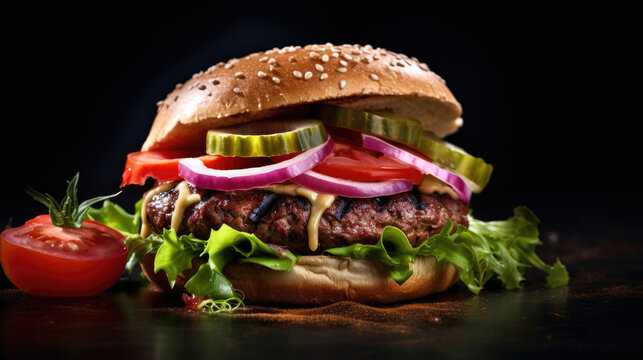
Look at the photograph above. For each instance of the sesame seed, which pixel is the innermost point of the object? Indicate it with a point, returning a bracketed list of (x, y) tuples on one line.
[(176, 98), (239, 75), (313, 54), (272, 61), (368, 47), (319, 68), (415, 59), (262, 74), (214, 81), (343, 63), (292, 49), (178, 86), (424, 67), (263, 59), (347, 57), (159, 103), (209, 93), (342, 84), (376, 57), (324, 58), (197, 74), (308, 75), (335, 54), (356, 52), (292, 59), (323, 76), (400, 63), (297, 74), (201, 87), (212, 68), (271, 68), (341, 69), (275, 80), (374, 77), (366, 60), (228, 66), (237, 90)]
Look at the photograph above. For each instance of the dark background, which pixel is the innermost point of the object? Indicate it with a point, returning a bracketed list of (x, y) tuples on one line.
[(549, 93)]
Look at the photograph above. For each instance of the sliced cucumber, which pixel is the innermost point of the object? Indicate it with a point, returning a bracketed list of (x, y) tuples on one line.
[(401, 129), (475, 171), (266, 138)]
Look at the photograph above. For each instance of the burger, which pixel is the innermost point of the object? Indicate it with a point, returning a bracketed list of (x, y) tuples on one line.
[(315, 174)]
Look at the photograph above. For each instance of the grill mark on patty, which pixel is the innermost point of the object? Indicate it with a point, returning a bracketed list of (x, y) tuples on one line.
[(382, 202), (260, 211), (343, 206)]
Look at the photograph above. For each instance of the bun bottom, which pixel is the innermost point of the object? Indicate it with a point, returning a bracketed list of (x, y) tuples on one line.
[(323, 279)]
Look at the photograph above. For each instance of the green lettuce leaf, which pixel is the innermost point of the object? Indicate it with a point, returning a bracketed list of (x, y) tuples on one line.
[(115, 217), (224, 245), (512, 245), (176, 253)]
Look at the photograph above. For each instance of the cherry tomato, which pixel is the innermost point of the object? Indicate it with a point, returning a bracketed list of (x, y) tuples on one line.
[(46, 260), (164, 165), (358, 164)]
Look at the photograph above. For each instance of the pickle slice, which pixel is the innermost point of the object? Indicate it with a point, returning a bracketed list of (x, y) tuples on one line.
[(475, 171), (401, 129), (266, 138)]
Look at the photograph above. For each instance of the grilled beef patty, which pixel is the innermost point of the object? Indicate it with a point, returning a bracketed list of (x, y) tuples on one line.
[(283, 219)]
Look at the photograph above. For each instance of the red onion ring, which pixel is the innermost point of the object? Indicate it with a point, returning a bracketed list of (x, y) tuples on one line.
[(353, 189), (458, 185), (196, 173)]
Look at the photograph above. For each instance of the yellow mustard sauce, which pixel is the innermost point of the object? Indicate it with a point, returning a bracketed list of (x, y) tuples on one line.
[(145, 227), (319, 203), (185, 199), (431, 184)]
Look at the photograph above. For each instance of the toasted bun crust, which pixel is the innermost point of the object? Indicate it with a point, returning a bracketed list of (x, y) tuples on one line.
[(321, 279), (282, 82)]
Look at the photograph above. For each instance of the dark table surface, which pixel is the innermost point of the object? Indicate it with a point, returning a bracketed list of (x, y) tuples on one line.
[(598, 314)]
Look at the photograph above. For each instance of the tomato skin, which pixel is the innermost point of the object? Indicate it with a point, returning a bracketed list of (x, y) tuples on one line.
[(163, 165), (42, 271)]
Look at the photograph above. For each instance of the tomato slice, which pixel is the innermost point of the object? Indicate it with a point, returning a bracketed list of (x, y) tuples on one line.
[(46, 260), (358, 164), (164, 165)]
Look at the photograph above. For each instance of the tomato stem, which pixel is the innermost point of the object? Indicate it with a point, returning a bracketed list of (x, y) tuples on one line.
[(67, 213)]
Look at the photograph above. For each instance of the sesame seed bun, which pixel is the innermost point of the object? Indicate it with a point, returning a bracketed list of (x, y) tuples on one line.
[(324, 279), (283, 82)]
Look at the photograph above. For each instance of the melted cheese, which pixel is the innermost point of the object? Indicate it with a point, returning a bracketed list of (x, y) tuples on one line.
[(185, 199), (145, 227), (431, 185), (319, 203)]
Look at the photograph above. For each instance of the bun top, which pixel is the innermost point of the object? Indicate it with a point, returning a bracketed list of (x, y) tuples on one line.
[(283, 82)]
